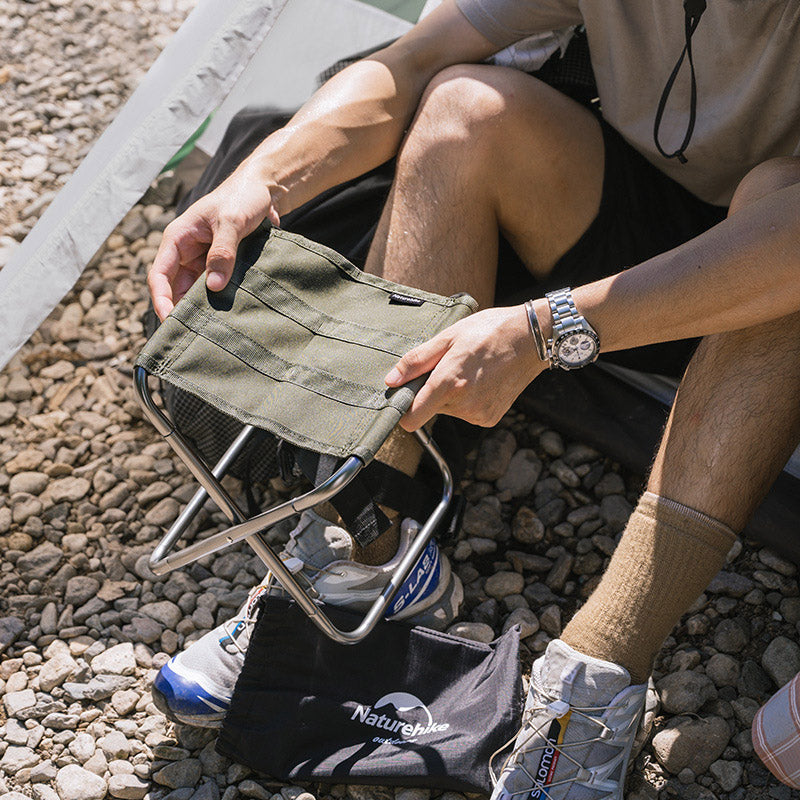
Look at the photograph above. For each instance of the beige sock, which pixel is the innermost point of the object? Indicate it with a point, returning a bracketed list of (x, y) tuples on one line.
[(665, 558)]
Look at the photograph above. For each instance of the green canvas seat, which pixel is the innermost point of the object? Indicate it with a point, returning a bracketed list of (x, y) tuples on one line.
[(297, 344)]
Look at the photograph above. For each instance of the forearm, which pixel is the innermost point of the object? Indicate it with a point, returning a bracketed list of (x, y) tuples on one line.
[(357, 120), (353, 123), (743, 272)]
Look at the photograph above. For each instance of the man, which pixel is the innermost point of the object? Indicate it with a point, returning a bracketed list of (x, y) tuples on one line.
[(483, 150)]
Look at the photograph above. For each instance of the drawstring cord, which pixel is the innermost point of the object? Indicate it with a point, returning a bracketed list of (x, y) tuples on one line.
[(693, 10)]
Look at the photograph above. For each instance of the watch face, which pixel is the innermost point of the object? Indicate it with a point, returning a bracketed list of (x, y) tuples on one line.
[(576, 349)]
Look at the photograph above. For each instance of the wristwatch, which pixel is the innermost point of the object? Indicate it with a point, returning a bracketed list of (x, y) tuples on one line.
[(574, 342)]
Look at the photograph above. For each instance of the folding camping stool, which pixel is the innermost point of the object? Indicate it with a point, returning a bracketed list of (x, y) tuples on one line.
[(297, 344)]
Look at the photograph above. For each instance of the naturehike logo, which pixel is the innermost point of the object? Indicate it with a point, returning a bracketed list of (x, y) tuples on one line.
[(549, 758), (402, 714)]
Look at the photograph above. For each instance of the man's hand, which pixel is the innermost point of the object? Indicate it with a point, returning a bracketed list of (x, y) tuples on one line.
[(206, 237), (478, 367)]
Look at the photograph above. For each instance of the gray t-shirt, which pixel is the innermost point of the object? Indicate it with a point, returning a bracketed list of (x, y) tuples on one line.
[(747, 61)]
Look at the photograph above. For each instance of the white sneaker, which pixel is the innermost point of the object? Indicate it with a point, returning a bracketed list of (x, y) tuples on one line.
[(195, 686), (579, 726)]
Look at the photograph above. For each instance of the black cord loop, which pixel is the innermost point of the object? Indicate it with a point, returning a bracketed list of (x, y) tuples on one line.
[(693, 10)]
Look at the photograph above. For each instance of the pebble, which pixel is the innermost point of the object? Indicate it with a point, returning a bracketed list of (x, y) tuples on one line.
[(69, 490), (731, 635), (522, 474), (128, 787), (685, 692), (691, 742), (526, 619), (728, 774), (781, 660), (117, 660), (33, 167), (179, 774), (494, 455), (80, 589), (476, 631), (17, 758), (615, 510), (56, 670), (552, 443), (731, 584), (76, 783), (723, 670), (502, 584), (15, 702), (29, 482), (527, 528)]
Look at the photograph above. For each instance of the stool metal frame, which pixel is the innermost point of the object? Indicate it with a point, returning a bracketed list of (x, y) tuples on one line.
[(164, 560)]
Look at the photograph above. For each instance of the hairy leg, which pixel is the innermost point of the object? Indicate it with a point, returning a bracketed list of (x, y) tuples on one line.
[(734, 423), (490, 149), (736, 419)]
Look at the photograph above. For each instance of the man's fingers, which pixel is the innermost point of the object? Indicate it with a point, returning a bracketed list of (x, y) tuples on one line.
[(222, 256), (426, 406), (418, 361), (161, 274)]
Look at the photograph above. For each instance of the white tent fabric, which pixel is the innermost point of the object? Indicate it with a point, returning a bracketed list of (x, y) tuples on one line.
[(200, 67), (283, 73)]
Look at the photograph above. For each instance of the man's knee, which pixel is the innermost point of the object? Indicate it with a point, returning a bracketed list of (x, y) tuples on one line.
[(465, 108), (766, 178)]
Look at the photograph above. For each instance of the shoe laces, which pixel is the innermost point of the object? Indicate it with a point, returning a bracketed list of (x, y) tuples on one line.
[(535, 740), (248, 615)]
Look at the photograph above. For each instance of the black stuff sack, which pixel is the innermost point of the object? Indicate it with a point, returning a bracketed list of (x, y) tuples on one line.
[(408, 706)]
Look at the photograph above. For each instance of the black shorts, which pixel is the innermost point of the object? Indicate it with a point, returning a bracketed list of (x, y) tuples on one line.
[(642, 213)]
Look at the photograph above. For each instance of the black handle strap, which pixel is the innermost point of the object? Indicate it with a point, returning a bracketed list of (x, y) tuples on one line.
[(693, 10)]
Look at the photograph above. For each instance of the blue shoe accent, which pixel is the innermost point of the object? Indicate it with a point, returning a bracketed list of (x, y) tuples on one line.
[(421, 582), (184, 700)]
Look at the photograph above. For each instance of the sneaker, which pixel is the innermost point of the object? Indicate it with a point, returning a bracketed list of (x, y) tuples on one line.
[(195, 687), (579, 726)]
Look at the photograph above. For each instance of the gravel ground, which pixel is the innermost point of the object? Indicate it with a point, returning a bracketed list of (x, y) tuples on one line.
[(86, 488)]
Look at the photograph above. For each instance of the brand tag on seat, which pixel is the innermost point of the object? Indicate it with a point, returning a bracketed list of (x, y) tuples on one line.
[(397, 299)]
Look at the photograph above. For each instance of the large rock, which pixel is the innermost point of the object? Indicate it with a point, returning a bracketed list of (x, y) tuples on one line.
[(75, 783), (691, 742)]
